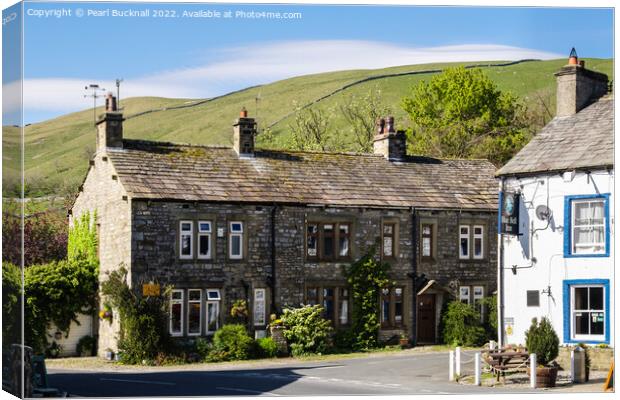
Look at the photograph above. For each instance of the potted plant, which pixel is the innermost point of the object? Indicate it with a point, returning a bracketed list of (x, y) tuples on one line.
[(542, 340), (403, 341), (239, 311), (86, 346), (54, 350)]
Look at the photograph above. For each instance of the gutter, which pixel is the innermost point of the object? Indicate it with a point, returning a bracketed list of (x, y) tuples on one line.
[(414, 276), (500, 272), (272, 280)]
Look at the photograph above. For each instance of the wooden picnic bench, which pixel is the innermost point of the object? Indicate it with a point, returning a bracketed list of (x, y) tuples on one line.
[(503, 360)]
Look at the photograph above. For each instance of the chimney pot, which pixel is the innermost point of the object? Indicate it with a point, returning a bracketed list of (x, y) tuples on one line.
[(244, 131), (243, 113), (380, 126), (572, 58), (582, 63), (390, 125), (110, 103)]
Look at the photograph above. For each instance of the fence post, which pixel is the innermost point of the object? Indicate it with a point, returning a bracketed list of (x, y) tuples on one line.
[(478, 369), (451, 370), (572, 366), (533, 371), (458, 361)]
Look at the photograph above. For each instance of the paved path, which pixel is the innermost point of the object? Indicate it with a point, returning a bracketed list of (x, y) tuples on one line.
[(393, 374)]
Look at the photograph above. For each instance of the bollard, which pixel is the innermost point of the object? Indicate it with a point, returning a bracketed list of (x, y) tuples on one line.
[(451, 369), (478, 369), (533, 371), (458, 361)]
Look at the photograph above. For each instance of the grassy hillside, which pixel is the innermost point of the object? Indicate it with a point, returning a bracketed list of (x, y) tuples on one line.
[(57, 150)]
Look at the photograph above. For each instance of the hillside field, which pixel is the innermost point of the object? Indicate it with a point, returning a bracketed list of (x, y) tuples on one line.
[(57, 151)]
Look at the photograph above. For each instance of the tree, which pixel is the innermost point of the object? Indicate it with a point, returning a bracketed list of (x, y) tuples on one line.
[(361, 114), (461, 113), (311, 130)]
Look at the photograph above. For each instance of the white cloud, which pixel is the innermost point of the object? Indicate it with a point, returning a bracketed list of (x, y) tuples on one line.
[(262, 63)]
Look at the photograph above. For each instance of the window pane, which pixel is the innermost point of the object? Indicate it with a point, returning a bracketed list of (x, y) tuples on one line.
[(596, 298), (194, 295), (385, 311), (464, 230), (328, 227), (581, 298), (177, 295), (312, 296), (344, 246), (213, 295), (328, 303), (186, 245), (426, 230), (212, 316), (175, 324), (426, 247), (581, 323), (582, 213), (203, 245), (236, 245), (205, 227), (236, 227), (193, 317), (312, 241), (328, 250), (477, 247), (597, 324), (344, 312), (598, 213), (477, 230), (398, 312), (186, 226), (464, 247), (388, 244), (388, 229)]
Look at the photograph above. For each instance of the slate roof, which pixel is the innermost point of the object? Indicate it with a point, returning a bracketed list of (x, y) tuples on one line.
[(580, 141), (155, 170)]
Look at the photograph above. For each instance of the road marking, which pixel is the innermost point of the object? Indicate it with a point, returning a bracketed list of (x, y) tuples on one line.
[(246, 391), (138, 381)]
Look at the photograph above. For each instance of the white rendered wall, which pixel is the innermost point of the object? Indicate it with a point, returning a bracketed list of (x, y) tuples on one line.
[(551, 268)]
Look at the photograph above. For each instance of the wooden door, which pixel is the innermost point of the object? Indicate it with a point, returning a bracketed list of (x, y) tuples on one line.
[(426, 318)]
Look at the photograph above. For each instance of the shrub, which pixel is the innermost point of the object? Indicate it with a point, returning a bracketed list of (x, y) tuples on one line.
[(461, 325), (203, 347), (86, 344), (143, 320), (56, 293), (231, 342), (11, 304), (542, 340), (344, 340), (266, 348), (366, 277), (306, 330)]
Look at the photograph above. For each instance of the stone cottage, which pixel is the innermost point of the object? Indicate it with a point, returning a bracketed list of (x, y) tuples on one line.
[(278, 228)]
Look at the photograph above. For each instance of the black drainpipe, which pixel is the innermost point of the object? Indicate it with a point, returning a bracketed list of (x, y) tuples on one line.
[(414, 272), (272, 281)]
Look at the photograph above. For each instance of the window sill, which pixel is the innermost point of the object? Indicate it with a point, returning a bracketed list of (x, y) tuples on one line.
[(586, 255)]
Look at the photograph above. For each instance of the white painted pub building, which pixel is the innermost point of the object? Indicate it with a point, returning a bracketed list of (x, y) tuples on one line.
[(556, 218)]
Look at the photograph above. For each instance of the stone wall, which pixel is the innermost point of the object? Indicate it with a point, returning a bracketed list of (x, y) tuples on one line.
[(103, 193), (600, 358)]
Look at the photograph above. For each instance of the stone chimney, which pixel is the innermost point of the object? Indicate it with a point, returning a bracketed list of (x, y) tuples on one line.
[(577, 86), (389, 143), (244, 130), (110, 126)]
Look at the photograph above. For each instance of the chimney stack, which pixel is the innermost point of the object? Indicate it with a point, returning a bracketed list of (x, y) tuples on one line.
[(578, 87), (110, 126), (244, 130), (388, 142)]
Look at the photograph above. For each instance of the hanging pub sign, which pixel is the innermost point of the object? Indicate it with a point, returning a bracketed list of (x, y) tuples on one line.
[(509, 213)]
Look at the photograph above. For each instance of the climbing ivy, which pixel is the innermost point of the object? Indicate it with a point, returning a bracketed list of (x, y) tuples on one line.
[(366, 277), (82, 243)]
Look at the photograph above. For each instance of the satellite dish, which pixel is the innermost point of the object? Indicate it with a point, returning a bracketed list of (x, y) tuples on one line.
[(543, 212)]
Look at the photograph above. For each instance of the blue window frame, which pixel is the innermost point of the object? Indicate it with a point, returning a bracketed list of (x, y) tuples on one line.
[(585, 308), (593, 227)]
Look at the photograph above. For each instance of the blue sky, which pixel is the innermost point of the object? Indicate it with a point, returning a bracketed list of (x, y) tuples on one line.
[(204, 57)]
